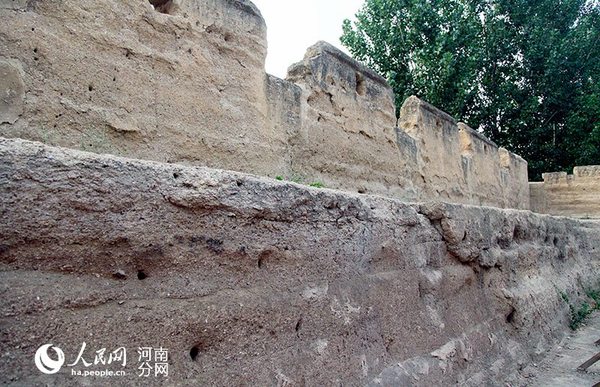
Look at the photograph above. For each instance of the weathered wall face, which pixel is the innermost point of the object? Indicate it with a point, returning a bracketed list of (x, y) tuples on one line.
[(346, 138), (457, 164), (246, 280), (120, 77), (285, 116), (271, 283), (184, 82), (576, 195)]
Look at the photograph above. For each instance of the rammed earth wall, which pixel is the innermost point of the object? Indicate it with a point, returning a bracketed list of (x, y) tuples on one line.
[(247, 280), (185, 83), (576, 195), (243, 279)]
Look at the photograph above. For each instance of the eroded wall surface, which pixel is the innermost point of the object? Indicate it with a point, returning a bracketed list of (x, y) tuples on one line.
[(184, 82), (247, 280), (576, 195), (120, 77), (457, 164), (346, 138)]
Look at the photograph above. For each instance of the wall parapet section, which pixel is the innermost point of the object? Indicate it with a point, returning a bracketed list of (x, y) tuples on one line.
[(189, 87), (576, 195)]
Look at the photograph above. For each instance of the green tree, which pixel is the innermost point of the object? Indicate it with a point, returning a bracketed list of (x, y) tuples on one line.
[(526, 72)]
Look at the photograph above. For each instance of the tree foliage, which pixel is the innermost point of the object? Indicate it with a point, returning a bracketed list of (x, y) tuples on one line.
[(526, 72)]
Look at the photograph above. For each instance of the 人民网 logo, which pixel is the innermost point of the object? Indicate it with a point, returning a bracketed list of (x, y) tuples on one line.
[(47, 365)]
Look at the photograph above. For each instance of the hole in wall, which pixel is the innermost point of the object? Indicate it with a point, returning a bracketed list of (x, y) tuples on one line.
[(361, 86), (162, 6), (141, 275), (510, 318), (263, 257), (194, 352), (518, 233), (298, 325)]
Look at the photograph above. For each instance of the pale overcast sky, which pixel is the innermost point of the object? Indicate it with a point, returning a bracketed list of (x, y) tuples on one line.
[(295, 25)]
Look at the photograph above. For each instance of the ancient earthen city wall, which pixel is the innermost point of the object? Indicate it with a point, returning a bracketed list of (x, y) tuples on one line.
[(576, 195), (185, 83), (244, 279), (252, 281), (119, 77)]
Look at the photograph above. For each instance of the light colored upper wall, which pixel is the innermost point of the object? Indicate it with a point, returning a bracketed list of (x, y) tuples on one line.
[(576, 195), (190, 87), (460, 165), (346, 138), (118, 77)]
